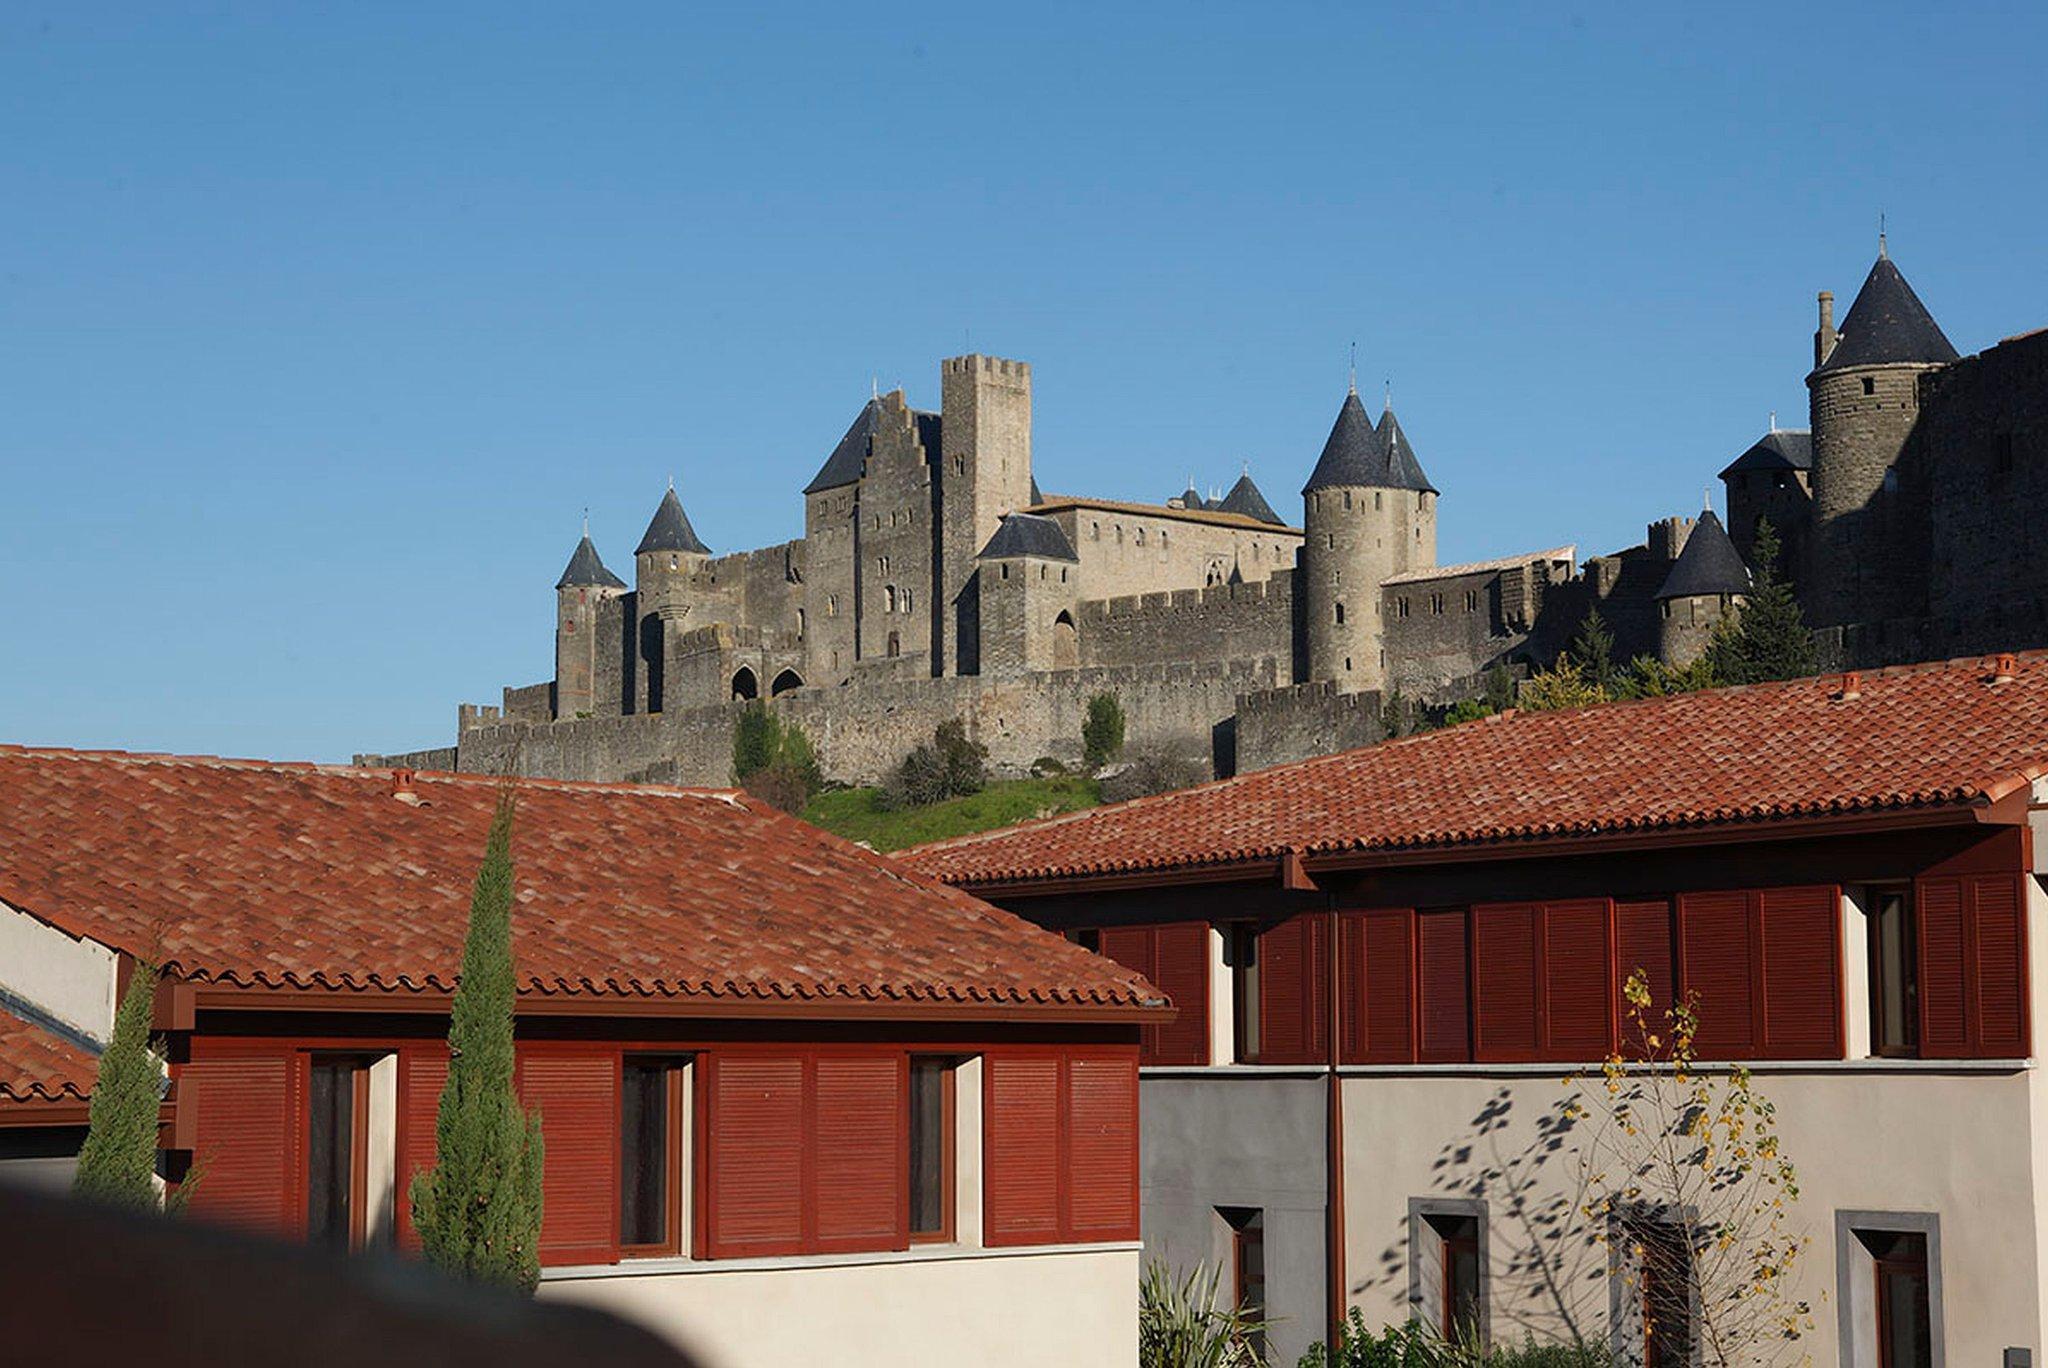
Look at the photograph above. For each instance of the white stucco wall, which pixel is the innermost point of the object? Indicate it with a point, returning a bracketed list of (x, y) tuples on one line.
[(68, 978), (1863, 1137), (1076, 1306)]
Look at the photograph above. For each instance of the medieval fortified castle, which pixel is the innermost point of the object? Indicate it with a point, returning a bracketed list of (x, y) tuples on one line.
[(935, 580)]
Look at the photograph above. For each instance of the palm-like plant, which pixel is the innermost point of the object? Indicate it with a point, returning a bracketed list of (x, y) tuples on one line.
[(1180, 1324)]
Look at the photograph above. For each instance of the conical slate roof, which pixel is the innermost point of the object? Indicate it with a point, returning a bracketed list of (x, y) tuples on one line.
[(1192, 498), (671, 530), (1036, 497), (1777, 449), (1403, 470), (1360, 454), (1709, 565), (1244, 498), (1028, 534), (586, 570), (1887, 323)]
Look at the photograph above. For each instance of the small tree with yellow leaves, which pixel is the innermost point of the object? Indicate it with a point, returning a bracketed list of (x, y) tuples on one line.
[(1685, 1185)]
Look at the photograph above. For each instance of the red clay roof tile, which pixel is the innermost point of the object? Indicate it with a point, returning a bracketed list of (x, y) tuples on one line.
[(39, 1065), (280, 875), (1911, 737)]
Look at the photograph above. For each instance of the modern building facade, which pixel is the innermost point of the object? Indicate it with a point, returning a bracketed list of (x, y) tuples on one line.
[(787, 1089), (1385, 961)]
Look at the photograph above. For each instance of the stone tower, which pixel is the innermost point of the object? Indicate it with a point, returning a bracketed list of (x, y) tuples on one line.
[(665, 567), (1369, 513), (1707, 582), (580, 655), (1026, 585), (1864, 393), (984, 472)]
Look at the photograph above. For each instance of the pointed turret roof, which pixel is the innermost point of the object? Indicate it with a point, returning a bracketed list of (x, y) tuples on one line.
[(1778, 449), (1244, 498), (1036, 497), (1028, 534), (1709, 564), (1887, 323), (586, 570), (1192, 498), (1403, 470), (670, 530)]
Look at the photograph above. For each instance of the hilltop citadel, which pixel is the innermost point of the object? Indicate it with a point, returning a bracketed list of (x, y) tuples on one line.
[(934, 579)]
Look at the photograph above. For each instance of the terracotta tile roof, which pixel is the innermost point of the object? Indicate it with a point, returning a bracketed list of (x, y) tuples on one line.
[(1915, 737), (39, 1065), (251, 873)]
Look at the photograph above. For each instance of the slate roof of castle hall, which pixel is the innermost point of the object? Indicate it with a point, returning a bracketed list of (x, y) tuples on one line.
[(41, 1064), (670, 530), (1358, 453), (1887, 323), (586, 570), (254, 874), (1028, 534), (1708, 565), (849, 459), (1778, 449), (1949, 735), (1245, 498)]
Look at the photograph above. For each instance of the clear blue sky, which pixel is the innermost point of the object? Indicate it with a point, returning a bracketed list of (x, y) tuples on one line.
[(320, 326)]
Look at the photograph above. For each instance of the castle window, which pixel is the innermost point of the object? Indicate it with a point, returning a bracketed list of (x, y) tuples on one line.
[(1471, 600), (895, 647), (889, 598), (1421, 501), (1162, 539), (1869, 385), (675, 562), (1436, 604), (1095, 531), (1329, 541), (1347, 664), (1063, 574), (1141, 536), (959, 465), (2002, 453), (906, 600), (1891, 481), (1376, 501), (1119, 534), (1006, 572), (1347, 498), (1041, 571), (1402, 607), (799, 624), (1340, 615)]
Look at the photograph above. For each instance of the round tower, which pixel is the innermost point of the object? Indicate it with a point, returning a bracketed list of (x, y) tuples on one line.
[(582, 598), (1864, 394), (665, 565), (1707, 582), (1369, 513)]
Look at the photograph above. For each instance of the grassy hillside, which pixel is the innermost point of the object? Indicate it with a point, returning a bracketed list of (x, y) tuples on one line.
[(857, 815)]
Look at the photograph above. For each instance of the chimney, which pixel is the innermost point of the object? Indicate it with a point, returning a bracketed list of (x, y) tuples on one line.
[(2004, 668), (1850, 689), (1825, 338)]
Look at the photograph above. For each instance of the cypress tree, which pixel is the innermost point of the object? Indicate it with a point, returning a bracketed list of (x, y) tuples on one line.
[(1592, 650), (1771, 640), (118, 1161), (478, 1210)]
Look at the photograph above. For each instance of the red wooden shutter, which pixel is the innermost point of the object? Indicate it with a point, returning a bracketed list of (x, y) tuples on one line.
[(1443, 980), (1180, 969), (1802, 961), (577, 1095), (1578, 981), (753, 1130), (1716, 953), (1642, 940), (1998, 906), (422, 1073), (862, 1152), (1505, 946), (1294, 991), (250, 1142), (1944, 1028), (1020, 1149), (1379, 987), (1102, 1162), (1135, 949)]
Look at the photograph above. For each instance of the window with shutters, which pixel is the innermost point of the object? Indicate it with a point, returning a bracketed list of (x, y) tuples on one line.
[(1894, 973), (422, 1073), (1059, 1146), (1244, 992), (249, 1099), (349, 1189), (576, 1091), (931, 1149), (1972, 967), (1378, 975), (1443, 1017), (1175, 958), (652, 1139), (1294, 991)]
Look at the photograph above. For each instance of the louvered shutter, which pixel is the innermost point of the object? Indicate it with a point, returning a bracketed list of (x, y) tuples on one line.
[(1180, 969), (422, 1073), (1504, 983), (1294, 991), (1944, 1031), (1135, 948), (1716, 953), (1378, 981), (1578, 981), (754, 1140), (577, 1095), (861, 1152), (1998, 905), (1642, 940), (1020, 1149), (1443, 980), (1802, 960), (250, 1144), (1102, 1164)]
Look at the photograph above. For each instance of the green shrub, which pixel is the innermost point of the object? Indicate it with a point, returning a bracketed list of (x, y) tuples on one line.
[(774, 760), (947, 766), (1410, 1344), (118, 1163), (1102, 735)]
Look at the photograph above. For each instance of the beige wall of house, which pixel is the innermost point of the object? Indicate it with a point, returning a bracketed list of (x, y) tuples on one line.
[(69, 978), (1076, 1306)]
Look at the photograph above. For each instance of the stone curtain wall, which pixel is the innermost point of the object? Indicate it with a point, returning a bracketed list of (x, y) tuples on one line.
[(1125, 551), (1983, 442), (1251, 622)]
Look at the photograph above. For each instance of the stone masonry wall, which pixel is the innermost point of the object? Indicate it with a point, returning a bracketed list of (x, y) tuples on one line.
[(1253, 621)]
